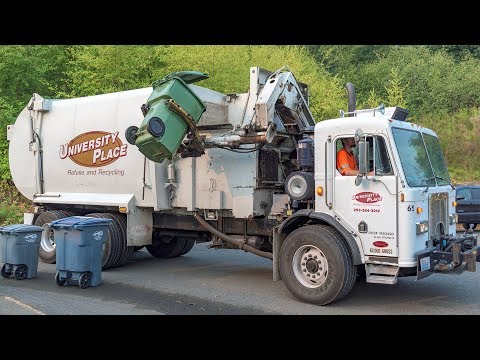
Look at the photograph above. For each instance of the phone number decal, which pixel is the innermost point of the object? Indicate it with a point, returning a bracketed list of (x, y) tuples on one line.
[(366, 210)]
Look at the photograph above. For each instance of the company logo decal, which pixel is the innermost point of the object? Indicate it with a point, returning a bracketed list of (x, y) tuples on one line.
[(30, 238), (94, 149), (367, 197), (98, 235), (380, 244)]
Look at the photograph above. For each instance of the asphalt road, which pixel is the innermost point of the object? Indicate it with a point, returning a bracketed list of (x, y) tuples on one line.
[(229, 282)]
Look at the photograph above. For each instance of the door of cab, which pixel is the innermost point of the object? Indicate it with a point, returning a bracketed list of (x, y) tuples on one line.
[(370, 209)]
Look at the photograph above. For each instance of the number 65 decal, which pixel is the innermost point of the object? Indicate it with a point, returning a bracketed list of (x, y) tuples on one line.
[(411, 208)]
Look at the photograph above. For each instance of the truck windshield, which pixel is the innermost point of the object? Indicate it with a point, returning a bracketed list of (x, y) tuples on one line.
[(418, 154), (436, 158)]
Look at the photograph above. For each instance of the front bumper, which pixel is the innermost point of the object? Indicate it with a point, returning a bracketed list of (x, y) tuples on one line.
[(450, 255)]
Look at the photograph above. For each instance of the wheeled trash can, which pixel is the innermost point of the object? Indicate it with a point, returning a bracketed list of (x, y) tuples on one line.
[(169, 113), (79, 248), (19, 250)]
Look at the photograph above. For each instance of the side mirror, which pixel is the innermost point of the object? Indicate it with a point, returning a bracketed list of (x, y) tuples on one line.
[(358, 135), (358, 180), (363, 163), (460, 197)]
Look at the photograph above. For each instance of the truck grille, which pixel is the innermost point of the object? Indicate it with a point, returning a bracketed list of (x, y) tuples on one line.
[(438, 215)]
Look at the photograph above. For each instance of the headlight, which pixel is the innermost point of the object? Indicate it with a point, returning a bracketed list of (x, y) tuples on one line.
[(422, 227)]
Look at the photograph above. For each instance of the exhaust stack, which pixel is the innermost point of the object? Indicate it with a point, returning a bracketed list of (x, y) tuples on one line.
[(352, 99)]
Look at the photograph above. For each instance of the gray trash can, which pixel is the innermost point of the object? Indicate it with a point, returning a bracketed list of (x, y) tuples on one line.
[(79, 247), (19, 250)]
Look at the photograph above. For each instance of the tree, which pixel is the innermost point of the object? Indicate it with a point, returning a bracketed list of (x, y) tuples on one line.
[(394, 90), (373, 100)]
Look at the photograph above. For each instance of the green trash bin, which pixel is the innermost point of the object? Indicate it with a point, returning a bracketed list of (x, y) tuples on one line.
[(169, 110)]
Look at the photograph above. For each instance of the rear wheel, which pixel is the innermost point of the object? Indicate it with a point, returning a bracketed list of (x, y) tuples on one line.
[(84, 280), (166, 246), (116, 242), (46, 250), (20, 272), (188, 246), (466, 226), (316, 265)]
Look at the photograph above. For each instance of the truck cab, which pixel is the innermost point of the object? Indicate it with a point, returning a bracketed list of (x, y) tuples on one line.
[(407, 200), (397, 216)]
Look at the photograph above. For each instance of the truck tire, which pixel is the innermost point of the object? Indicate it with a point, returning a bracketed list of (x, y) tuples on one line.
[(166, 247), (113, 247), (127, 251), (188, 246), (316, 265), (46, 250), (115, 251)]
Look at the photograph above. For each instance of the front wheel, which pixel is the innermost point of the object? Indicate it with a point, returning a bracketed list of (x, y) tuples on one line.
[(5, 272), (58, 281), (316, 265)]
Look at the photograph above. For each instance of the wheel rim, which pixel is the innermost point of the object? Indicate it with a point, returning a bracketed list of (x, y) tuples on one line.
[(84, 280), (310, 266), (47, 242), (4, 271), (21, 272)]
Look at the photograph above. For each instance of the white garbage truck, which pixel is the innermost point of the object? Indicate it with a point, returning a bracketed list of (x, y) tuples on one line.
[(176, 163)]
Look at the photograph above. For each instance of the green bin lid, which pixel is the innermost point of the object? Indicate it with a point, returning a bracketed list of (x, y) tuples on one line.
[(189, 77), (20, 228), (78, 222)]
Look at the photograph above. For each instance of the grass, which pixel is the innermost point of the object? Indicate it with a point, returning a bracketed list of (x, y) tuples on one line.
[(12, 204)]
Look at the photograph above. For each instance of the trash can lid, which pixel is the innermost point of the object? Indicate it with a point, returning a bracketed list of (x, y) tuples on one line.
[(189, 77), (78, 222), (20, 228)]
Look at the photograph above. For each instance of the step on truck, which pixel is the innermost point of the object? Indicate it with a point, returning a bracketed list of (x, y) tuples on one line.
[(176, 163)]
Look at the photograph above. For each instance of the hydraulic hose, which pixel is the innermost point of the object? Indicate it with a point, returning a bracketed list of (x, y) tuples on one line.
[(236, 243)]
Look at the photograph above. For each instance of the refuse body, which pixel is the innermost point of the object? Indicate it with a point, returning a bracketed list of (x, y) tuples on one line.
[(19, 245), (79, 247)]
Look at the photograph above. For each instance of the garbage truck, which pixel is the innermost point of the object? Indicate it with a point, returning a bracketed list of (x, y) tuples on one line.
[(176, 164)]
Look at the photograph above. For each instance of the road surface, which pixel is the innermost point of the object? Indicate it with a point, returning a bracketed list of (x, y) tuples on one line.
[(208, 281)]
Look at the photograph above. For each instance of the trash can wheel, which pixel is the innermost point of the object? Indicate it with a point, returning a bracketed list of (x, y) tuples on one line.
[(5, 272), (20, 272), (84, 280), (60, 282)]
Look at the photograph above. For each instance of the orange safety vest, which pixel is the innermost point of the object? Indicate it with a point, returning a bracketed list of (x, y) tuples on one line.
[(345, 161)]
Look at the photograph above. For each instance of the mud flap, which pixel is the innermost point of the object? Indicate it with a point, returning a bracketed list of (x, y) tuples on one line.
[(424, 264)]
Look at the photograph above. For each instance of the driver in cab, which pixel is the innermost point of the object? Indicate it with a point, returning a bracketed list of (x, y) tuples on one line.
[(346, 163)]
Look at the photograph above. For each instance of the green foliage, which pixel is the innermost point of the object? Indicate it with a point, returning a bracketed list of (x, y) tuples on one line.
[(459, 135), (433, 79), (12, 204), (100, 69), (395, 90), (109, 68), (7, 116), (373, 100)]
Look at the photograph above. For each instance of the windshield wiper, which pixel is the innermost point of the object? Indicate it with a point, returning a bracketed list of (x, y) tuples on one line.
[(441, 178), (435, 177), (427, 180)]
